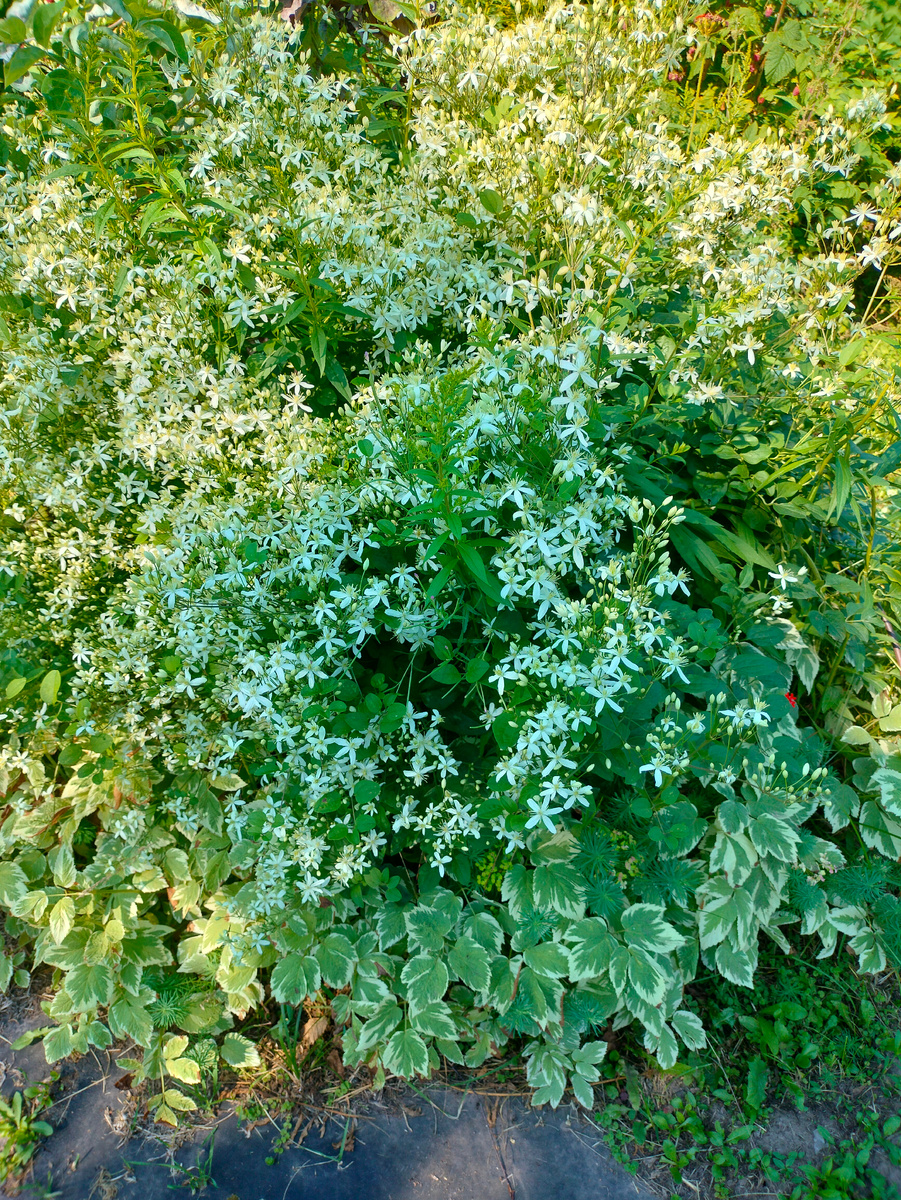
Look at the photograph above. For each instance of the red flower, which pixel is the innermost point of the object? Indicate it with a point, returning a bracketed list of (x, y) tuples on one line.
[(791, 698)]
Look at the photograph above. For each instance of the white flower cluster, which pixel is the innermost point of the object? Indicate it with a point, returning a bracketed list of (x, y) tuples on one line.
[(244, 583)]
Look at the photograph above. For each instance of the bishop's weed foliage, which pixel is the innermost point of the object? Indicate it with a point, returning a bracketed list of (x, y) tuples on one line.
[(365, 521)]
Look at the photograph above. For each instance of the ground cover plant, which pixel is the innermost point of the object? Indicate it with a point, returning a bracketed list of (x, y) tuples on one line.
[(449, 541)]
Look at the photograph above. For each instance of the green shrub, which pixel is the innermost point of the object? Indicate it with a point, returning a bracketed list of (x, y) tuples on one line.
[(366, 521)]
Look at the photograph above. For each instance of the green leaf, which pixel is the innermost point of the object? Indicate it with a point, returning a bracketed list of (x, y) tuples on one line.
[(779, 61), (505, 730), (438, 583), (239, 1051), (21, 63), (89, 985), (46, 17), (383, 1021), (61, 918), (645, 929), (735, 965), (774, 837), (476, 669), (319, 346), (434, 1020), (13, 883), (558, 886), (428, 927), (755, 1087), (469, 962), (14, 687), (13, 31), (646, 978), (852, 350), (592, 944), (485, 930), (689, 1028), (50, 686), (295, 978), (58, 1043), (334, 373), (492, 201), (185, 1070), (406, 1054), (62, 865), (426, 979), (446, 673), (549, 958), (130, 1019)]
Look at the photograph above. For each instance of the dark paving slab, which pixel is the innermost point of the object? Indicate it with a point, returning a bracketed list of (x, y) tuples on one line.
[(443, 1145)]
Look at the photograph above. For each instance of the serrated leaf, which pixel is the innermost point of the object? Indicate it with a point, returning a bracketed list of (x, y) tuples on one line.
[(62, 865), (391, 925), (61, 918), (239, 1051), (689, 1028), (89, 985), (646, 977), (667, 1050), (548, 958), (591, 948), (516, 889), (13, 883), (450, 1050), (185, 1070), (484, 929), (58, 1043), (428, 927), (645, 929), (426, 980), (889, 784), (295, 978), (735, 965), (406, 1054), (558, 885), (130, 1019), (175, 1046), (434, 1020), (530, 996), (336, 957), (774, 837), (779, 61), (582, 1090), (178, 1100), (469, 962), (382, 1022)]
